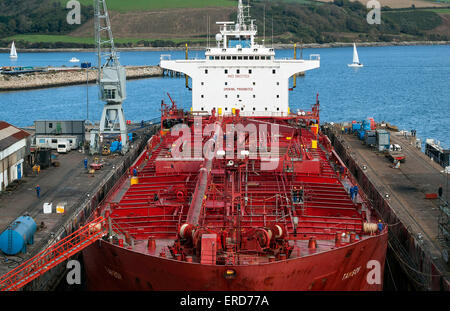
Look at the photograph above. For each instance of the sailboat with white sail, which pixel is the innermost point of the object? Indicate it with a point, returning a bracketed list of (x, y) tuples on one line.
[(13, 53), (356, 62)]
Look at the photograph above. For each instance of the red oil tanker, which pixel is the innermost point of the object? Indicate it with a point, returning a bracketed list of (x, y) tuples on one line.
[(239, 193)]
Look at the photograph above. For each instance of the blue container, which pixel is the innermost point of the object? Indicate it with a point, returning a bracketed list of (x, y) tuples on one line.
[(116, 146), (366, 125), (356, 127), (20, 233), (361, 134)]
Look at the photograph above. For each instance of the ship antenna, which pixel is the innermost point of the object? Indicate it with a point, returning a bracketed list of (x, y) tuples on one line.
[(207, 31), (240, 16), (264, 32), (272, 31)]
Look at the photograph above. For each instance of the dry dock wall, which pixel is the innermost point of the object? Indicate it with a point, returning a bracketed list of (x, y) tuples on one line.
[(410, 252), (76, 76), (50, 280)]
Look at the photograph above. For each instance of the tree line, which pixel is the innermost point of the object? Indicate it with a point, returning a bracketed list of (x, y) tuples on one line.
[(339, 21), (37, 17)]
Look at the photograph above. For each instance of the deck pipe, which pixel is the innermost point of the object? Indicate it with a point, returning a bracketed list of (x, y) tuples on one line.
[(199, 196)]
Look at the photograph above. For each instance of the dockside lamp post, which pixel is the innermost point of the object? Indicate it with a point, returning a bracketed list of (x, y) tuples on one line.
[(87, 65)]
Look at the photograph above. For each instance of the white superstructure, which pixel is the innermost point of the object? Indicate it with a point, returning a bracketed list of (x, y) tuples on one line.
[(240, 74)]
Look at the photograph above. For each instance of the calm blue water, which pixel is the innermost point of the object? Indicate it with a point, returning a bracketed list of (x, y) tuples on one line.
[(408, 86)]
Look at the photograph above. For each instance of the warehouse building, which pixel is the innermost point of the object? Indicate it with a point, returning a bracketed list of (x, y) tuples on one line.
[(50, 133), (14, 147)]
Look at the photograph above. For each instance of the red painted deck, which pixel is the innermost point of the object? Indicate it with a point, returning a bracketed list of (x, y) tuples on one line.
[(164, 226)]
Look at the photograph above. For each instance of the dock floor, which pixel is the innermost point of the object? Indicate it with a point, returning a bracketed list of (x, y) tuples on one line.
[(70, 183), (406, 187)]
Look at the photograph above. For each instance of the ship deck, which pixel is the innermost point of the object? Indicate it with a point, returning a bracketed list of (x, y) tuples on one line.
[(241, 197)]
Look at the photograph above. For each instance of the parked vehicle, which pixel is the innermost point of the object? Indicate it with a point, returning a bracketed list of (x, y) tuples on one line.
[(63, 147)]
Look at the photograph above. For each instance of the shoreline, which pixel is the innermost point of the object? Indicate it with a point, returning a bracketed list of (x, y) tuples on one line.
[(43, 80), (276, 46)]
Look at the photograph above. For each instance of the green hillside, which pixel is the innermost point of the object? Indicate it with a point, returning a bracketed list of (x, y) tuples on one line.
[(42, 23)]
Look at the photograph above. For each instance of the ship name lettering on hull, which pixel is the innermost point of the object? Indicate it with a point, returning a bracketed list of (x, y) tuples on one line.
[(351, 273), (113, 273)]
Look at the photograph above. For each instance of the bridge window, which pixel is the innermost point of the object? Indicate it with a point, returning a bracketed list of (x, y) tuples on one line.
[(254, 96), (226, 71), (206, 71), (237, 96), (222, 57), (245, 57), (202, 83), (228, 57), (226, 96), (202, 95), (257, 57), (217, 57), (240, 57), (238, 71), (254, 108), (234, 57), (250, 57), (278, 83), (278, 96), (254, 83), (274, 71), (249, 71)]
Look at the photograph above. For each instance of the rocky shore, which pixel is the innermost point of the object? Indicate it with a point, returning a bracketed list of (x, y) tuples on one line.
[(48, 79)]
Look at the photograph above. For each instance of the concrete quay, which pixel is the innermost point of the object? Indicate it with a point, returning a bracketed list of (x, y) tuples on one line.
[(400, 198), (68, 76)]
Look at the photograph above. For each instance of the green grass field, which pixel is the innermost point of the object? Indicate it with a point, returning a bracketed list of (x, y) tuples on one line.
[(69, 39), (50, 38), (303, 1), (443, 11), (150, 5)]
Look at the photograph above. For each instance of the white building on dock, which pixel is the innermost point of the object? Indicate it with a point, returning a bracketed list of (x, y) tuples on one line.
[(13, 145)]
